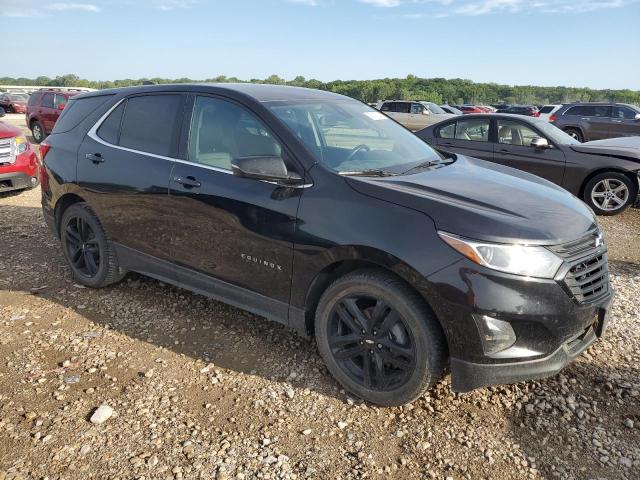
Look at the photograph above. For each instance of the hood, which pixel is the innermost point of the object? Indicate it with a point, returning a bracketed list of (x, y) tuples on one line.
[(9, 131), (485, 201), (627, 147)]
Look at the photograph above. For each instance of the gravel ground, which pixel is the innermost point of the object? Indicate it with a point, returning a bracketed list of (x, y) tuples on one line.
[(193, 388)]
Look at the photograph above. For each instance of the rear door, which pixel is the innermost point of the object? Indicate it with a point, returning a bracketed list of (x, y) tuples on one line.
[(594, 120), (124, 166), (513, 149), (623, 122), (467, 136), (48, 115)]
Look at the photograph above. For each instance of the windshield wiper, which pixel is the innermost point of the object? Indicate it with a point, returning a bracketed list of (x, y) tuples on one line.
[(371, 172), (427, 164)]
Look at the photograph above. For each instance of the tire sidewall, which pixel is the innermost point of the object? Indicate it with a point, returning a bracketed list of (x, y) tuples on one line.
[(82, 211), (411, 318), (579, 136), (633, 192), (33, 128)]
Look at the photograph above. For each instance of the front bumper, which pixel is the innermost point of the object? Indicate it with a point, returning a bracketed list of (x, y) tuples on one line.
[(466, 376), (16, 181), (551, 325)]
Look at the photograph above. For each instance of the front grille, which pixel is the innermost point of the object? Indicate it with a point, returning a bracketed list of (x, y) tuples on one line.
[(6, 151), (587, 279)]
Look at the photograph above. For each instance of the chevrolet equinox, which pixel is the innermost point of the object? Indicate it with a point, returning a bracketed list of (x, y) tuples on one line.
[(321, 213)]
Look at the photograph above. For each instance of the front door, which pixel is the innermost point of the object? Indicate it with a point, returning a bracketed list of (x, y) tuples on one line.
[(467, 136), (514, 149), (232, 233), (624, 123), (124, 166)]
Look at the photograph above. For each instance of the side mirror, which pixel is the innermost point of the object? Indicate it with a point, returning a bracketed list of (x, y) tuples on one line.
[(540, 143), (637, 117), (61, 106), (269, 169)]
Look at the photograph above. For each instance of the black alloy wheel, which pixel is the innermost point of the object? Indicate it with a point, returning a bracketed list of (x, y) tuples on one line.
[(371, 343), (82, 247)]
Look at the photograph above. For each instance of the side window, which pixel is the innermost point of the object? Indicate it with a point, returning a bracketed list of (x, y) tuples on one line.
[(416, 108), (110, 128), (403, 107), (447, 131), (78, 110), (387, 107), (59, 100), (149, 123), (515, 133), (475, 129), (47, 100), (222, 131), (602, 111), (33, 99), (624, 113)]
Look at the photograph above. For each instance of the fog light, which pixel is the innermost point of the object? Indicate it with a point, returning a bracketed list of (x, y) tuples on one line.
[(496, 335)]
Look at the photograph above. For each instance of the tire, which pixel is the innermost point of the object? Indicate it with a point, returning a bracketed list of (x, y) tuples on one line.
[(405, 349), (37, 131), (575, 133), (610, 193), (87, 249)]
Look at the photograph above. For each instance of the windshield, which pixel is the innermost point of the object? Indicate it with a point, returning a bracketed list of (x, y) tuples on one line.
[(433, 108), (348, 136), (555, 134), (18, 98)]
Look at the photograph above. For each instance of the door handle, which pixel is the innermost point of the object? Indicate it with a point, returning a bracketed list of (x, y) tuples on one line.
[(187, 182), (94, 157), (586, 118)]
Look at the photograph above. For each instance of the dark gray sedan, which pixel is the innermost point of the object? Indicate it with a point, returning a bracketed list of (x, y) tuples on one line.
[(603, 173)]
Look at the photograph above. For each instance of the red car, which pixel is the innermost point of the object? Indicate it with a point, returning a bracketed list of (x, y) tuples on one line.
[(19, 165), (466, 109), (44, 108), (14, 102)]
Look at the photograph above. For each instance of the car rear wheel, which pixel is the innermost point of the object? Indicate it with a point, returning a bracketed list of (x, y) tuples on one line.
[(37, 131), (379, 339), (86, 248), (574, 133), (610, 193)]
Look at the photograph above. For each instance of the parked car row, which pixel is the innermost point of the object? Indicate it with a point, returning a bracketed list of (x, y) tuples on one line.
[(19, 166), (413, 115), (404, 261)]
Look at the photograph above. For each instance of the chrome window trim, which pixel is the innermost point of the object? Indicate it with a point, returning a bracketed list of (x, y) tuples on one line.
[(93, 134)]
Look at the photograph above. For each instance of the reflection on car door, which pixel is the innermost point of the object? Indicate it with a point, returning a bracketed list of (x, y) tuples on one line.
[(514, 149), (467, 136), (624, 123), (230, 231), (124, 165)]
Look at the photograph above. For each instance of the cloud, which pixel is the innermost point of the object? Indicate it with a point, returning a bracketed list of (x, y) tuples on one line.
[(310, 3), (62, 7), (383, 3)]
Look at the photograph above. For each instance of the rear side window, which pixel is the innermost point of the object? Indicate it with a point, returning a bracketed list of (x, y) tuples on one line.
[(47, 100), (590, 111), (110, 128), (475, 129), (59, 100), (447, 131), (387, 107), (547, 109), (78, 110), (149, 123)]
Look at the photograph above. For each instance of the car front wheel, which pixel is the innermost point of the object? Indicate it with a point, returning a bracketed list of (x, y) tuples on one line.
[(610, 193), (574, 133), (379, 339)]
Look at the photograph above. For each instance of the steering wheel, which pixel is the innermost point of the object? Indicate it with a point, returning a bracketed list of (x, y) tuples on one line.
[(355, 150)]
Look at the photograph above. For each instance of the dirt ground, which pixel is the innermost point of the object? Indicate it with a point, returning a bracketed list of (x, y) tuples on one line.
[(203, 390)]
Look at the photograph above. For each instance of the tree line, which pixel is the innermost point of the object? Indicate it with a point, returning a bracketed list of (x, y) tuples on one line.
[(439, 90)]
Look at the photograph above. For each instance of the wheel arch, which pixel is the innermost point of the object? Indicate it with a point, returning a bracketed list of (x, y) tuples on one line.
[(632, 176), (339, 268), (63, 203)]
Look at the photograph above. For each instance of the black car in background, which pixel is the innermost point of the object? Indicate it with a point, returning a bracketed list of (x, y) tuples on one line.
[(604, 174), (596, 121), (526, 110), (319, 212)]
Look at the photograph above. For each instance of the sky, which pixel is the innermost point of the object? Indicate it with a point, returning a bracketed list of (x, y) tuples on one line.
[(580, 43)]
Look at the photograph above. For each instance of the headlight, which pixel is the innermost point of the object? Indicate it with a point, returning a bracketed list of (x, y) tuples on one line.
[(527, 260), (21, 145)]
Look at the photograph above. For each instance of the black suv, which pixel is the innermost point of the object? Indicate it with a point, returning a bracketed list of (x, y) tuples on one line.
[(596, 121), (319, 212)]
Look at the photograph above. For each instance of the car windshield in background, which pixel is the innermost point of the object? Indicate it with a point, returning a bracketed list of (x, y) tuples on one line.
[(350, 137), (555, 134), (433, 108), (18, 98)]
